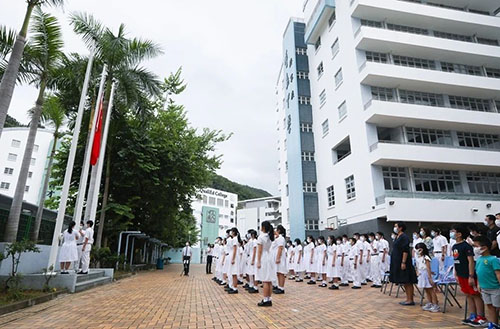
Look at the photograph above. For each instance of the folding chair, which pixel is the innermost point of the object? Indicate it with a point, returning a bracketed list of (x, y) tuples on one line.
[(447, 282)]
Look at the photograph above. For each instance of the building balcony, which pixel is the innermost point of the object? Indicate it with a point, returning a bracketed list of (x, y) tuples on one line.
[(424, 15), (437, 207), (316, 17), (485, 5), (425, 46), (409, 78), (394, 114), (433, 157)]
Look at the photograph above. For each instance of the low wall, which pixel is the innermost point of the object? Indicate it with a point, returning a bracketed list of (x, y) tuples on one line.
[(29, 263), (176, 255)]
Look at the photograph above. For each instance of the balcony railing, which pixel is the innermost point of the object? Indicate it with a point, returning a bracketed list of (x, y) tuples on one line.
[(435, 195), (374, 146)]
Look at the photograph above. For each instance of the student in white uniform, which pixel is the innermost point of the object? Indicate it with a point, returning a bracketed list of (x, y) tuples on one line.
[(225, 256), (347, 275), (68, 252), (365, 273), (354, 259), (362, 254), (234, 260), (440, 247), (280, 258), (375, 261), (309, 259), (251, 268), (291, 259), (321, 261), (79, 244), (416, 240), (216, 259), (299, 261), (242, 261), (88, 240), (266, 266), (383, 252), (333, 263)]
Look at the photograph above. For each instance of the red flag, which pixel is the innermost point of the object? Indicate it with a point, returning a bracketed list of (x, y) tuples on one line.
[(96, 144)]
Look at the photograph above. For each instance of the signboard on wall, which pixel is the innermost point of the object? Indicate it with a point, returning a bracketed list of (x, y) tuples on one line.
[(209, 225)]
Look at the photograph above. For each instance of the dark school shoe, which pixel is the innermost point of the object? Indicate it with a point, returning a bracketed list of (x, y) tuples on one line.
[(265, 304), (334, 287), (246, 286), (364, 283), (232, 291), (253, 291), (344, 284), (311, 282), (407, 303), (376, 286), (299, 280), (355, 287), (323, 285), (279, 291)]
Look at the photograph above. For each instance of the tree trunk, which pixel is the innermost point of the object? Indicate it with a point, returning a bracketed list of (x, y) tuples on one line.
[(93, 174), (43, 195), (17, 202), (102, 216), (9, 78)]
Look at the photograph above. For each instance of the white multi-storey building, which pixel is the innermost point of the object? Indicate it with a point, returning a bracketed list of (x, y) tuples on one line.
[(405, 99), (12, 144), (251, 213)]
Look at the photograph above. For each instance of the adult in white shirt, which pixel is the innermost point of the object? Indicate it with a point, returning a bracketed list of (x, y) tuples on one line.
[(210, 256), (88, 241), (440, 247), (187, 252), (416, 240), (79, 245)]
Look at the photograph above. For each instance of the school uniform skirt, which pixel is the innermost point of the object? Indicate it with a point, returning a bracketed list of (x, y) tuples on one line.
[(68, 252), (310, 268), (423, 280), (320, 268), (227, 264), (233, 269), (282, 266), (291, 264), (333, 271), (267, 270), (250, 269)]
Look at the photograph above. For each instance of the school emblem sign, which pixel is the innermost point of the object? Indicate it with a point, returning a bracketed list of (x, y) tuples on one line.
[(209, 225)]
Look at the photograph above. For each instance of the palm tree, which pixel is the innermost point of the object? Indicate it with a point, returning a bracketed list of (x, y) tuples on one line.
[(54, 115), (123, 57), (10, 76), (46, 47)]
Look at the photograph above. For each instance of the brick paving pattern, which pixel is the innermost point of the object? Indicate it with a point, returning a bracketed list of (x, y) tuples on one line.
[(164, 299)]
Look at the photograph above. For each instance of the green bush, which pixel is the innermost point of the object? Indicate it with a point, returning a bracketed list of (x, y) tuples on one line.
[(103, 257)]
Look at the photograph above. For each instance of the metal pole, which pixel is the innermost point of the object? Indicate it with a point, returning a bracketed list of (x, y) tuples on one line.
[(126, 251), (119, 247), (86, 162), (61, 212), (132, 252), (100, 162)]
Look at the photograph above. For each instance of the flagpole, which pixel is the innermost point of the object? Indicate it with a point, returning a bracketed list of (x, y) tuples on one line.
[(102, 153), (86, 162), (69, 168)]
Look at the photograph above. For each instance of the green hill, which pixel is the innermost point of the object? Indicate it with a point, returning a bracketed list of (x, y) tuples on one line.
[(244, 192)]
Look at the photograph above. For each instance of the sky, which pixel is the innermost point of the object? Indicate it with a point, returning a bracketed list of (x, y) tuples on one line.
[(230, 53)]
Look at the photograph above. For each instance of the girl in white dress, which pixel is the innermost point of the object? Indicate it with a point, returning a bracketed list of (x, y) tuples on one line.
[(291, 259), (280, 258), (234, 259), (340, 261), (266, 267), (321, 259), (332, 269), (251, 268), (299, 260), (309, 260), (243, 261), (69, 251)]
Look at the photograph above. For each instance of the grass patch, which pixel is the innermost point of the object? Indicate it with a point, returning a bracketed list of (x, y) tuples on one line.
[(18, 296)]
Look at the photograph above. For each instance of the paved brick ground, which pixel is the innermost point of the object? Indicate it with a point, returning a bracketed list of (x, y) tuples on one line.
[(163, 299)]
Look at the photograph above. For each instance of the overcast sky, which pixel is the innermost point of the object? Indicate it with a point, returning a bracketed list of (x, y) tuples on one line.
[(230, 51)]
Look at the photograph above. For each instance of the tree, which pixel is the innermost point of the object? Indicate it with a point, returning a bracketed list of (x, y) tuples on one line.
[(53, 114), (46, 46), (10, 76), (123, 57)]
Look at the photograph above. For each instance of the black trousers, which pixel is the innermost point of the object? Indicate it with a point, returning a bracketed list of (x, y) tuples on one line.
[(209, 264), (186, 260)]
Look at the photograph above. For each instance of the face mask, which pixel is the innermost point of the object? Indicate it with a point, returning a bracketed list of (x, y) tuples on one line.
[(395, 230), (477, 251), (362, 239), (453, 235), (422, 234), (497, 222), (377, 238), (345, 241), (393, 236), (371, 239), (433, 234), (486, 222), (308, 240), (330, 242), (339, 242), (415, 237)]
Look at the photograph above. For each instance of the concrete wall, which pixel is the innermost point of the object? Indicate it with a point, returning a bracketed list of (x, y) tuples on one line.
[(176, 255), (29, 262)]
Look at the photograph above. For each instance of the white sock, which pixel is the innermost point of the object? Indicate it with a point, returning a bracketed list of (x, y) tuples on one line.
[(281, 288)]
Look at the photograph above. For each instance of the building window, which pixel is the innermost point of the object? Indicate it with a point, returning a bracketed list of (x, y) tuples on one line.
[(461, 68), (30, 174), (372, 56), (335, 47), (26, 189), (452, 36), (342, 110), (320, 69), (470, 103), (35, 148), (366, 22), (302, 75), (483, 183), (287, 190), (331, 196), (306, 127), (16, 143), (304, 100), (493, 73), (312, 224), (12, 157), (428, 136), (211, 200), (205, 200), (332, 19), (291, 80), (383, 94), (291, 62), (339, 77), (33, 161), (8, 171), (486, 41), (395, 179), (431, 180), (307, 156), (322, 98), (226, 203), (317, 44), (420, 98), (478, 141), (418, 63), (350, 187), (309, 187), (4, 185), (407, 29), (325, 127), (220, 202), (301, 51)]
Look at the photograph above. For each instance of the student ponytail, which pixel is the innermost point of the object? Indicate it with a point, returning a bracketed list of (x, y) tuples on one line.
[(235, 230), (70, 227), (268, 228)]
